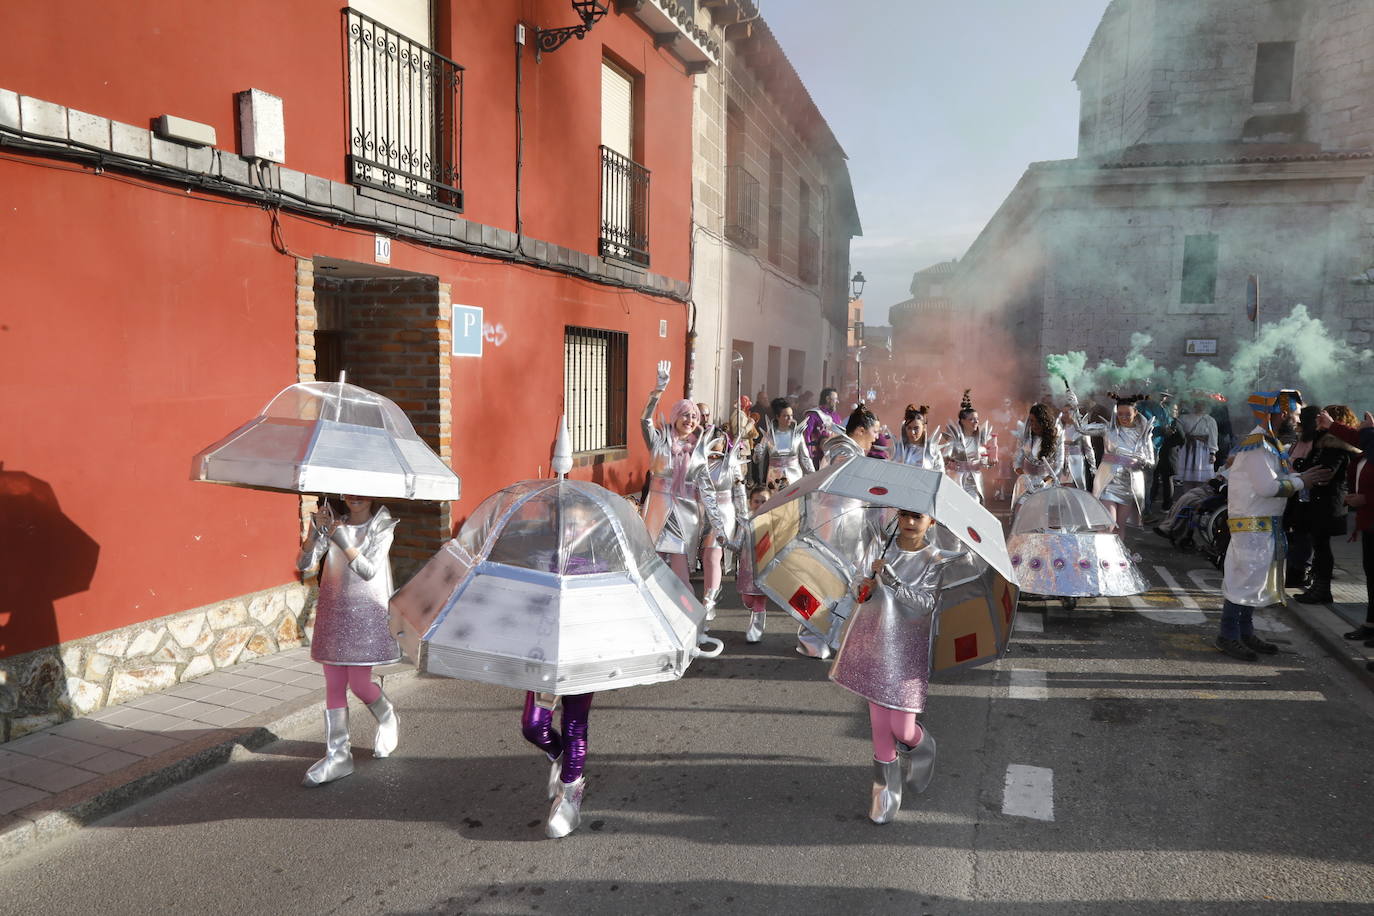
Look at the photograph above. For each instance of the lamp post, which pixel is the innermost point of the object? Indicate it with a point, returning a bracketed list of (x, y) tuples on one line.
[(856, 285)]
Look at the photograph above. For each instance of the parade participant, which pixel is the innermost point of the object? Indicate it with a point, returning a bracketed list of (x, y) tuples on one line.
[(1078, 453), (753, 597), (823, 421), (1197, 458), (1039, 456), (353, 630), (915, 444), (969, 449), (1259, 484), (886, 655), (1128, 452), (849, 522), (786, 453), (679, 488), (725, 471)]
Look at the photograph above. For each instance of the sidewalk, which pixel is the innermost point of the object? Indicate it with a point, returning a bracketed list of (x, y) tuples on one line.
[(1327, 622), (64, 777)]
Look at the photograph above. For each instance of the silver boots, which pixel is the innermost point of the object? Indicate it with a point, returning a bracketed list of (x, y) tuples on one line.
[(708, 601), (566, 812), (887, 791), (756, 622), (387, 726), (337, 761), (555, 775), (918, 763)]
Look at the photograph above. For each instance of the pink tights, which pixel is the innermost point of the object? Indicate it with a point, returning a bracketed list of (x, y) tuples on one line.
[(339, 679), (755, 603), (890, 726), (710, 567), (678, 561)]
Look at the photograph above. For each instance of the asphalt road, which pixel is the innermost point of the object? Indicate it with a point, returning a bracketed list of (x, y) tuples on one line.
[(1113, 763)]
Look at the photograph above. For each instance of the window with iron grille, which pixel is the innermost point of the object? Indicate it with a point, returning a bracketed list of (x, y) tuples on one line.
[(742, 206), (405, 114), (808, 240), (775, 206), (594, 387)]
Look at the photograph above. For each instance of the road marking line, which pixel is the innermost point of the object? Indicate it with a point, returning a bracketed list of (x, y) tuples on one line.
[(1029, 792), (1250, 695), (1028, 622), (1165, 615), (1027, 684), (1265, 619)]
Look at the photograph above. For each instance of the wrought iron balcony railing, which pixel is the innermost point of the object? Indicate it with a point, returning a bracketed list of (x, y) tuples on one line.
[(809, 257), (624, 208), (405, 114), (742, 208)]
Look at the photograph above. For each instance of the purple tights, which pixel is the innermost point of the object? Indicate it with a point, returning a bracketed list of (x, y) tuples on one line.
[(536, 724)]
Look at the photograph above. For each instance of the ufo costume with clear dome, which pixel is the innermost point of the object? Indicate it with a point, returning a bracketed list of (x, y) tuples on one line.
[(552, 587), (1062, 545), (1037, 473), (337, 438)]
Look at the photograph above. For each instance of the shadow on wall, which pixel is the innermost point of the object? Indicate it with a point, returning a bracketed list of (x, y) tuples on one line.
[(45, 556)]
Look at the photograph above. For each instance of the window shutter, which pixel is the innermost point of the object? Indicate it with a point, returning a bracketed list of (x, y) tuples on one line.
[(617, 106)]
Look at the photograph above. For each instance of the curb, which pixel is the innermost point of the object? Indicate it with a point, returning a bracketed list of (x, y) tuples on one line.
[(1326, 633), (44, 822)]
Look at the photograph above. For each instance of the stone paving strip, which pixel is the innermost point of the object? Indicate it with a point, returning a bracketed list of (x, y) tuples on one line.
[(62, 778)]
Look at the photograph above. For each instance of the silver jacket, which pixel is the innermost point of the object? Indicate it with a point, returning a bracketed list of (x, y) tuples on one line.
[(679, 488), (786, 452), (1128, 452), (352, 622), (725, 468), (1078, 458), (966, 456), (929, 454), (1036, 472)]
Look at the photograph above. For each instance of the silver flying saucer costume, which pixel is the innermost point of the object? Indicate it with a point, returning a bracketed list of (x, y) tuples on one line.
[(787, 455), (1062, 545), (1036, 472), (1128, 452), (966, 456), (679, 487), (886, 653), (352, 623)]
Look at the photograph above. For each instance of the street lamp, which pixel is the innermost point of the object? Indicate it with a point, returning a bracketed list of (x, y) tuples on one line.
[(856, 283)]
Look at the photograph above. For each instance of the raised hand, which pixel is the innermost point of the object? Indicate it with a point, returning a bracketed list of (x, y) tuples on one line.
[(665, 368)]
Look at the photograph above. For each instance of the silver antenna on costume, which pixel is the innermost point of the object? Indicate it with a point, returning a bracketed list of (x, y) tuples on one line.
[(562, 448)]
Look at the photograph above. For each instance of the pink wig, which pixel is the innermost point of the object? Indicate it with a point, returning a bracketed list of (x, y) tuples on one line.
[(681, 408)]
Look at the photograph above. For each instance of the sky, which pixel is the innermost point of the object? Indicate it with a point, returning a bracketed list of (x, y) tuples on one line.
[(940, 105)]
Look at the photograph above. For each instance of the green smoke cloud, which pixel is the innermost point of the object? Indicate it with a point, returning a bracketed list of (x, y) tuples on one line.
[(1296, 350)]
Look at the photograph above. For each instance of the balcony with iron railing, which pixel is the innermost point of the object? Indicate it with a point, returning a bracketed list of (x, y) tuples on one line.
[(405, 114), (624, 208), (742, 208)]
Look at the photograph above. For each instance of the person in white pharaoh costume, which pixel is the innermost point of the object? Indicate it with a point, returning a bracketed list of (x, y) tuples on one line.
[(1258, 487), (1128, 453), (970, 448), (1039, 460)]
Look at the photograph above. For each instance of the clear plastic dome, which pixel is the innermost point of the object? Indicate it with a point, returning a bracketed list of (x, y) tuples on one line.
[(340, 402), (565, 527)]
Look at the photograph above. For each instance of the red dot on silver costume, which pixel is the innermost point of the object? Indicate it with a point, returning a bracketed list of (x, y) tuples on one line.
[(878, 491), (977, 538)]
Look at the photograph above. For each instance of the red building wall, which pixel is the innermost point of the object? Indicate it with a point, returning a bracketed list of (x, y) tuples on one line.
[(142, 322)]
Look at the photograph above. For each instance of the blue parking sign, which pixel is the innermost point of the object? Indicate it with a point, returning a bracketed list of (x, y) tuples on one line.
[(467, 330)]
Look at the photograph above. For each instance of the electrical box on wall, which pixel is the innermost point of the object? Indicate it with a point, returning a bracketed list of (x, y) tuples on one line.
[(262, 126)]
